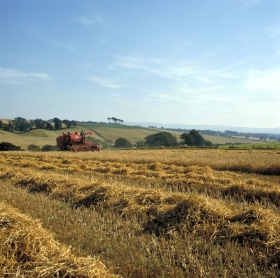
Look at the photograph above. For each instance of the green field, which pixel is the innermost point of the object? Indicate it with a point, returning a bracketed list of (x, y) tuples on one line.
[(255, 145), (110, 132)]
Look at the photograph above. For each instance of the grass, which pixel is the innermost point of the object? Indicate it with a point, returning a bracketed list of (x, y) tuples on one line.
[(262, 145), (37, 137), (155, 213)]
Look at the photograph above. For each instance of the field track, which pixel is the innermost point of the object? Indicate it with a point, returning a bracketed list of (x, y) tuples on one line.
[(187, 212)]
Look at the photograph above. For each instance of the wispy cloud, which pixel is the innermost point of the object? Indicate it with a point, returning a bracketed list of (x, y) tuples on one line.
[(36, 33), (242, 37), (59, 44), (105, 82), (88, 21), (247, 4), (151, 65), (204, 88), (178, 71), (264, 82), (274, 30), (156, 66), (13, 76)]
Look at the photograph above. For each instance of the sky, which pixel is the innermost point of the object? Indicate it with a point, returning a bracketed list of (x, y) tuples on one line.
[(210, 62)]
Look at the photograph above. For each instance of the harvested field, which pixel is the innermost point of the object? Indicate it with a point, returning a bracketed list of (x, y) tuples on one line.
[(156, 213), (27, 250)]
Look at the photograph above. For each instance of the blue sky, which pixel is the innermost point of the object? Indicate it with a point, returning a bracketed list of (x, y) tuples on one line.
[(174, 62)]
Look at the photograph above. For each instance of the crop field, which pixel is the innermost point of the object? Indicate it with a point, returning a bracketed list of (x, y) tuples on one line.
[(140, 213)]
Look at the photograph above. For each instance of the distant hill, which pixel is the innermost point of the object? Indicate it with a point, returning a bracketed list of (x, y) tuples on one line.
[(103, 133), (208, 127)]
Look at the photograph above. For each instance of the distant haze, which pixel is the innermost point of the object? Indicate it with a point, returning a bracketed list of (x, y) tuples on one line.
[(209, 127)]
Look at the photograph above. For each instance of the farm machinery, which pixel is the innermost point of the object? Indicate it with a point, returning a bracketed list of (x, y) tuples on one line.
[(76, 142)]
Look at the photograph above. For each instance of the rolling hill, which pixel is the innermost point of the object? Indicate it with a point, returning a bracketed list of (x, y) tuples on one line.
[(103, 132)]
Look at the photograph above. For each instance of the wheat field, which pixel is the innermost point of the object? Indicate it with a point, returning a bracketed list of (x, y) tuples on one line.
[(144, 213)]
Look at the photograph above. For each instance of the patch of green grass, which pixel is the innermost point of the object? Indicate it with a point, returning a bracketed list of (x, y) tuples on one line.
[(262, 145), (111, 132), (226, 140)]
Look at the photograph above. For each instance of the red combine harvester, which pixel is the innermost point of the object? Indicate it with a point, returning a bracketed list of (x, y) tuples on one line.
[(76, 142)]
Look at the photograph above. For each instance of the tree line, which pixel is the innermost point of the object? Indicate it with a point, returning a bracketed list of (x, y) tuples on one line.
[(166, 139), (7, 146), (20, 124), (230, 133), (114, 120)]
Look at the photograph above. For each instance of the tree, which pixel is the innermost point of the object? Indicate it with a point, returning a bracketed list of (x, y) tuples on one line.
[(57, 123), (193, 138), (208, 143), (21, 124), (109, 119), (8, 127), (31, 124), (188, 139), (48, 126), (6, 146), (199, 140), (48, 148), (163, 138), (39, 123), (114, 119), (73, 123), (33, 148), (67, 123), (122, 143), (140, 144)]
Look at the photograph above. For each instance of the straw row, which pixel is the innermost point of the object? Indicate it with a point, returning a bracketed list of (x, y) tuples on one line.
[(196, 179), (163, 212), (27, 250), (168, 161)]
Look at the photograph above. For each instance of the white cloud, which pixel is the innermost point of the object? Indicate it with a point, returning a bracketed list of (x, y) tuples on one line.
[(105, 82), (88, 21), (156, 66), (265, 82), (215, 93), (134, 62), (13, 76), (177, 71), (191, 84), (274, 30)]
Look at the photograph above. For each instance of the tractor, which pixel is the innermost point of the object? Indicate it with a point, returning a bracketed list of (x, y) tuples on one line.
[(76, 142)]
